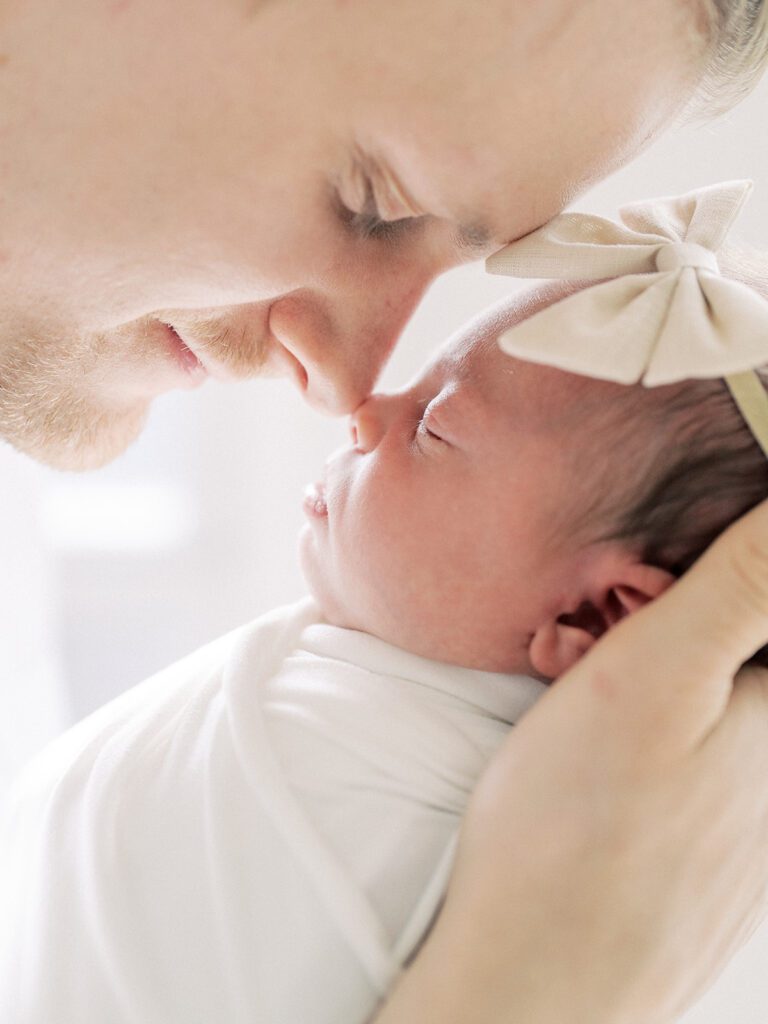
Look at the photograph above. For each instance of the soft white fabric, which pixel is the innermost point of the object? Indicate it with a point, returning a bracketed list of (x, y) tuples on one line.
[(665, 314), (261, 833), (33, 705)]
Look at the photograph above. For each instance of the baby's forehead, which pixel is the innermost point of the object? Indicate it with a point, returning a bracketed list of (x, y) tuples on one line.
[(472, 341), (521, 305), (529, 394)]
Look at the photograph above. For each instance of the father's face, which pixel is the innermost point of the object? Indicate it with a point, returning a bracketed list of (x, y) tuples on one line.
[(217, 177)]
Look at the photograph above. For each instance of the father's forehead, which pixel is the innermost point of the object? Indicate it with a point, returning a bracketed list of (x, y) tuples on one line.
[(510, 83)]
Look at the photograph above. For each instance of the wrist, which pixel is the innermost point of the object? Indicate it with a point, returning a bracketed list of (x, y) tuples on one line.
[(463, 975), (458, 979)]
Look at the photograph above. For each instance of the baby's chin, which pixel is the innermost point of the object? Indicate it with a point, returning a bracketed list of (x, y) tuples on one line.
[(317, 577), (338, 604)]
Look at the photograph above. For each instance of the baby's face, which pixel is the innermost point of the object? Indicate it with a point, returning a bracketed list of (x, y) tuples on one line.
[(437, 528)]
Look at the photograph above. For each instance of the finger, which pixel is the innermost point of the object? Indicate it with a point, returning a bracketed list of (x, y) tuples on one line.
[(666, 672)]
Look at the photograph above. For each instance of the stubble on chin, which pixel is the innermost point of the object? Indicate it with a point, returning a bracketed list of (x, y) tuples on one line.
[(55, 406)]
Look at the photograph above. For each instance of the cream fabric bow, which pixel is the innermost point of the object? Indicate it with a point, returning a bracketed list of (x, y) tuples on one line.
[(662, 312)]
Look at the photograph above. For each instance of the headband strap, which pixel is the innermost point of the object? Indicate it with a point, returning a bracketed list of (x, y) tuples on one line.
[(749, 395)]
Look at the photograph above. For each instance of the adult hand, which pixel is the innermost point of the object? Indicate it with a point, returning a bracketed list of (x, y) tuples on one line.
[(615, 854)]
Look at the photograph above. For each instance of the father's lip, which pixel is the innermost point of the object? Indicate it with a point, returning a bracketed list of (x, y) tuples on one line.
[(269, 356), (196, 354), (187, 360)]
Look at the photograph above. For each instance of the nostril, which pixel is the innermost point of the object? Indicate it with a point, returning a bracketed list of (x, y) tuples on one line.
[(353, 433)]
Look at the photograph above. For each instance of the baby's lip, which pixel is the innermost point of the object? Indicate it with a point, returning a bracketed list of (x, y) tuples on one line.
[(337, 468), (315, 504)]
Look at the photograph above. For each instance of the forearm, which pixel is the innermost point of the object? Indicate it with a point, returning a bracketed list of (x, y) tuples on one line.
[(460, 978), (442, 985), (436, 991)]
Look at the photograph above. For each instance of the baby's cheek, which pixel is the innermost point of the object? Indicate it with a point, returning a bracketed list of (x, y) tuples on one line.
[(392, 591)]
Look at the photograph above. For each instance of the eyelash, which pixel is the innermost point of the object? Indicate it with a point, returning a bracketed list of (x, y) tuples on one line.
[(422, 428), (368, 222)]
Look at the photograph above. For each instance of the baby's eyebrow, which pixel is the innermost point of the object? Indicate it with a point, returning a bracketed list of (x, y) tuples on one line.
[(461, 410)]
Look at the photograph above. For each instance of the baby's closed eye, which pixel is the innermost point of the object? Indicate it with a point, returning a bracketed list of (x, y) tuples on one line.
[(427, 431)]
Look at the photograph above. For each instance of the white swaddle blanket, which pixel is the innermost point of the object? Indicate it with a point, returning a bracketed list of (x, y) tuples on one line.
[(261, 833)]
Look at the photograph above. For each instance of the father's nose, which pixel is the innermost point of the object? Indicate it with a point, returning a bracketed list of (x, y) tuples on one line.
[(343, 340)]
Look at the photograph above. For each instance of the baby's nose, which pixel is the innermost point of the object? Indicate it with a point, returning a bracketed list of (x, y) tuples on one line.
[(366, 424)]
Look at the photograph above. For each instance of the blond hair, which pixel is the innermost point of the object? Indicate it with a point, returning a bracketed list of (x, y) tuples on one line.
[(736, 56)]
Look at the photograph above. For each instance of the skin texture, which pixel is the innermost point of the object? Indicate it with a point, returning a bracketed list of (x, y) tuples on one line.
[(217, 167), (164, 161), (442, 527), (639, 867)]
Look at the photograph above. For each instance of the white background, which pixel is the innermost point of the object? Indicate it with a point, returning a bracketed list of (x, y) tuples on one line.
[(108, 577)]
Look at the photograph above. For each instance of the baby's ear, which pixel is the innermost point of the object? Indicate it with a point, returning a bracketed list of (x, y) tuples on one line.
[(559, 642)]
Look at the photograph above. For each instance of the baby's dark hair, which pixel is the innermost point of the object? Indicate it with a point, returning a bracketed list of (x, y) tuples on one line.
[(711, 472), (702, 469)]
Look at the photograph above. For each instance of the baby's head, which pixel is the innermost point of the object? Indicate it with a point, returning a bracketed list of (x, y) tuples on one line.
[(502, 515)]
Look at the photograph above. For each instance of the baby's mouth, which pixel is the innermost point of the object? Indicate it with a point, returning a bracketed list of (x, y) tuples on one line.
[(314, 501)]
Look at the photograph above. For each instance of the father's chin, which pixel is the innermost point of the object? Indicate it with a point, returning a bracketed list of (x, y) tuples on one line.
[(74, 438)]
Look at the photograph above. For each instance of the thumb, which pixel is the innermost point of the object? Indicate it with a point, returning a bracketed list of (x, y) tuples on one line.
[(670, 666)]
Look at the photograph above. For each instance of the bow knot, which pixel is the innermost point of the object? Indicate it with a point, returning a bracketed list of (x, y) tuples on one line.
[(683, 255)]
